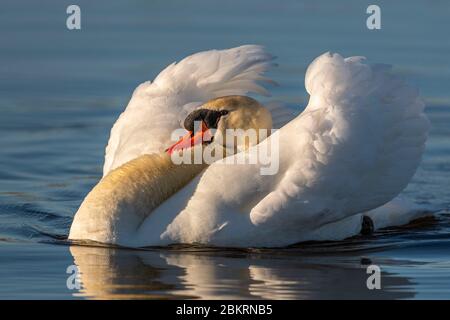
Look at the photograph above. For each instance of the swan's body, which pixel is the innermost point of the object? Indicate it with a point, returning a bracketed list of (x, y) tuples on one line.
[(353, 149)]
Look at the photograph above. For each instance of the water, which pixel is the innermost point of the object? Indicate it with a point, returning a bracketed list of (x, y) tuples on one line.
[(61, 91)]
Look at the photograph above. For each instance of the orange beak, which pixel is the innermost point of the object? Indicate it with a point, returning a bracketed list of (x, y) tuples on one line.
[(191, 139)]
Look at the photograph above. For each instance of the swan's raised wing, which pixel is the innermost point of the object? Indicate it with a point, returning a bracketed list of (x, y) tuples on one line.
[(157, 108), (361, 139), (354, 148)]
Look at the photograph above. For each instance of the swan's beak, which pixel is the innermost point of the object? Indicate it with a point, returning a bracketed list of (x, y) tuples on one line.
[(190, 139)]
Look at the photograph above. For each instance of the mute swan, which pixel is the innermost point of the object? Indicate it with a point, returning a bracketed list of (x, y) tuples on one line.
[(353, 149)]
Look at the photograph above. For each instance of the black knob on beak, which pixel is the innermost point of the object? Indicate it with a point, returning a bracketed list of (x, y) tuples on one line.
[(209, 117)]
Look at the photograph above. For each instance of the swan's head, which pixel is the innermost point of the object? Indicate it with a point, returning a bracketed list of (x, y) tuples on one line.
[(225, 121)]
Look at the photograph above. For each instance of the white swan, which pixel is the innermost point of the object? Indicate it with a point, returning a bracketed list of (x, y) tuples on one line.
[(353, 149)]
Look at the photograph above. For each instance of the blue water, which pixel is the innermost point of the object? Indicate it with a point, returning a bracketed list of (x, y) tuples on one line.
[(61, 91)]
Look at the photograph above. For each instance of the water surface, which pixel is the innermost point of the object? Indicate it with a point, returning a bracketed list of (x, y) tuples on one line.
[(61, 91)]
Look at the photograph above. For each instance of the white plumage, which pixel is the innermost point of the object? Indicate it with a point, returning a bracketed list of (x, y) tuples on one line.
[(157, 108), (353, 149)]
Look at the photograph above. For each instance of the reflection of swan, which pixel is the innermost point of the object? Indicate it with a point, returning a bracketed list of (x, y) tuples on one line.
[(212, 278), (321, 281), (353, 149), (108, 273), (275, 277)]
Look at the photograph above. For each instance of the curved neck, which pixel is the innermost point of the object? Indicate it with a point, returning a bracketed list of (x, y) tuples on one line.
[(121, 201), (149, 180)]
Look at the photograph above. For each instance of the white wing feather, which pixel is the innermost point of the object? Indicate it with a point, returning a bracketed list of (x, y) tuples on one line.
[(156, 109), (354, 148)]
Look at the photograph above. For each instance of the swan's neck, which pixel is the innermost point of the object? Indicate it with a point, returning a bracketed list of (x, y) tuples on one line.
[(127, 195), (150, 180)]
